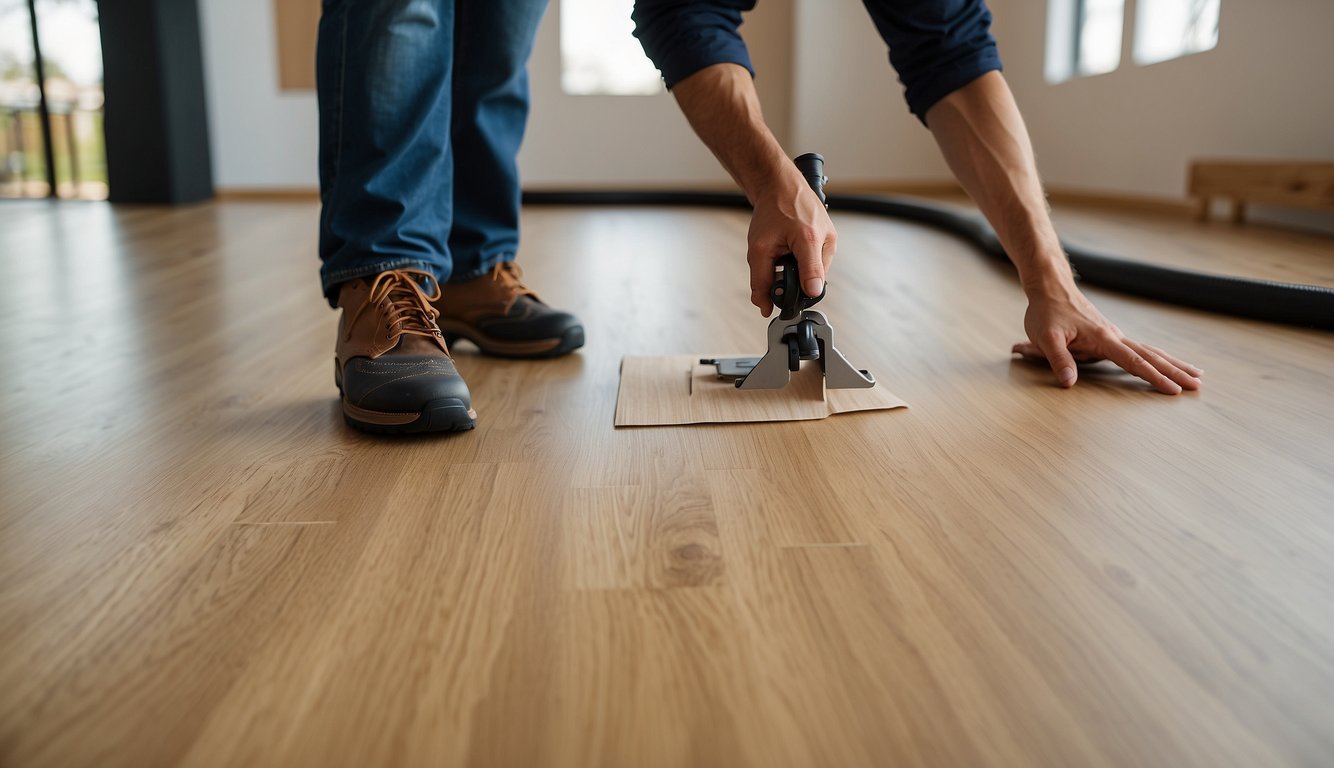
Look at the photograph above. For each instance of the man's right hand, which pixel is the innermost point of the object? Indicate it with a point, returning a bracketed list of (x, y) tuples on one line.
[(794, 221), (721, 105)]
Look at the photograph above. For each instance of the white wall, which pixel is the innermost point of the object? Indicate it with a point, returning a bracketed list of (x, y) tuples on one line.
[(604, 140), (263, 137), (826, 86), (848, 104), (266, 138), (260, 136), (1263, 92)]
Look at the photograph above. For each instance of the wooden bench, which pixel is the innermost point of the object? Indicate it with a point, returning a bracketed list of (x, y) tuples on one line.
[(1289, 184)]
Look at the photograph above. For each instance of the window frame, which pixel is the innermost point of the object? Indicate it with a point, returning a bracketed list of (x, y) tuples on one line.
[(1065, 45)]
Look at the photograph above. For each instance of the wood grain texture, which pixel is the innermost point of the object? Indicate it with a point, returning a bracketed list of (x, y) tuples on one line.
[(200, 565), (1289, 184)]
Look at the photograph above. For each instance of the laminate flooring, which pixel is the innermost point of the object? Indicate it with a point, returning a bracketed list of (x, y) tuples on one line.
[(200, 565)]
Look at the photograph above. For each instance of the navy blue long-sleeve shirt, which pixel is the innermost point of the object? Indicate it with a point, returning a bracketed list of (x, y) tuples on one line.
[(937, 46)]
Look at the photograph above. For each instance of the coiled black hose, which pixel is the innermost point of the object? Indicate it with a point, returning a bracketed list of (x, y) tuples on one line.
[(1290, 303)]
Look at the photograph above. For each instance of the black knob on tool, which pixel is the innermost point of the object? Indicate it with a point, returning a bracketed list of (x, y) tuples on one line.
[(802, 345)]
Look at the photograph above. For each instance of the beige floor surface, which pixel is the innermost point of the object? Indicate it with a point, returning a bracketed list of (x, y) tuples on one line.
[(200, 565)]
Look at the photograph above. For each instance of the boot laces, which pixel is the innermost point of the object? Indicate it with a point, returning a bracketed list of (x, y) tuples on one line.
[(407, 308), (510, 277)]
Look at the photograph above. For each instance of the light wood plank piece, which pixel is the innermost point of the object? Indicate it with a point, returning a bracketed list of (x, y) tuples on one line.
[(1286, 184), (679, 389), (201, 565)]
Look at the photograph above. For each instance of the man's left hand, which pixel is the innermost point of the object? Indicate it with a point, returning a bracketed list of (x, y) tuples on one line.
[(1064, 327)]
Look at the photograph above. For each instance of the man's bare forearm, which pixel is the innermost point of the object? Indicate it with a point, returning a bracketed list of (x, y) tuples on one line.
[(721, 104), (985, 143), (982, 135)]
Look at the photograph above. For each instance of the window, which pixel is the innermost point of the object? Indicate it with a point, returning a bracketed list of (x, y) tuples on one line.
[(598, 52), (22, 142), (1084, 37), (51, 141), (1098, 35), (1167, 29)]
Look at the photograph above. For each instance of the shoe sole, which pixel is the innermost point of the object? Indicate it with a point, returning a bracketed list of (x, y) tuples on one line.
[(572, 339), (447, 414)]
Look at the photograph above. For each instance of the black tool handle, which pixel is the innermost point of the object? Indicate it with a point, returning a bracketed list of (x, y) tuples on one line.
[(786, 292), (811, 166)]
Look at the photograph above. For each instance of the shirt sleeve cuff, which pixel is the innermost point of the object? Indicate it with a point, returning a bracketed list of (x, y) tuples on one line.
[(948, 77), (682, 39), (704, 53)]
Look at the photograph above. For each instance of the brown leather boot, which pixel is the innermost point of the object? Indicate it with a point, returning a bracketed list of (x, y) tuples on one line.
[(503, 317), (391, 363)]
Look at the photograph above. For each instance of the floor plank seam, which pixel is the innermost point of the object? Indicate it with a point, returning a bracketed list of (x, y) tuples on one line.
[(285, 522)]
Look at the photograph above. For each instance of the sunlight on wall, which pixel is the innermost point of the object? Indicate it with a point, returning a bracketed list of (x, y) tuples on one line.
[(1084, 37), (1167, 29), (1099, 48), (598, 52)]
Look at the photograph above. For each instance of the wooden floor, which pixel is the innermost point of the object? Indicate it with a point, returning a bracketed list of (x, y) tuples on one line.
[(200, 565)]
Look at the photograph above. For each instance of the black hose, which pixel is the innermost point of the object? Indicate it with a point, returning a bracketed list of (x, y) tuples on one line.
[(1290, 303)]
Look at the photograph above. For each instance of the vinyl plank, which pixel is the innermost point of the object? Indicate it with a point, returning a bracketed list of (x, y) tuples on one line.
[(165, 656), (200, 564)]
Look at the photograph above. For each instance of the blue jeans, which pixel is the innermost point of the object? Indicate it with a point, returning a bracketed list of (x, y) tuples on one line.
[(422, 109)]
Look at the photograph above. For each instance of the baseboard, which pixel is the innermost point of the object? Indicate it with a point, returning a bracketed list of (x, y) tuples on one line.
[(1109, 201), (1114, 201), (267, 194), (923, 188), (915, 187)]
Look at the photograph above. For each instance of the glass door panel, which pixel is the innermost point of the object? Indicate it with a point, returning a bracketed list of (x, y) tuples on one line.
[(72, 55), (22, 143)]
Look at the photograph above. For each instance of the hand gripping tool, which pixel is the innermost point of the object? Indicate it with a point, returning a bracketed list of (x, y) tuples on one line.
[(799, 332)]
